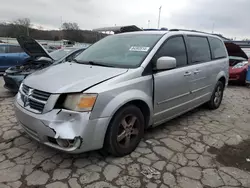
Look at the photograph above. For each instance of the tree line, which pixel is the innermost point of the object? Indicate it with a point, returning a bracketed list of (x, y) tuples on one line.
[(68, 31)]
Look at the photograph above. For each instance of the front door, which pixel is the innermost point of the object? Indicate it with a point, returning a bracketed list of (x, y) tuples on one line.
[(172, 87)]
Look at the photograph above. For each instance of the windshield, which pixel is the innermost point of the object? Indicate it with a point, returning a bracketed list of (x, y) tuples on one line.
[(58, 54), (124, 51)]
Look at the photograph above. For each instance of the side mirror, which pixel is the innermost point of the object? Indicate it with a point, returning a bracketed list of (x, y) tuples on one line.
[(165, 63)]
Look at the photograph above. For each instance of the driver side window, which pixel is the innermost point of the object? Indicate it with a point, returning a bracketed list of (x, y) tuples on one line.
[(173, 47)]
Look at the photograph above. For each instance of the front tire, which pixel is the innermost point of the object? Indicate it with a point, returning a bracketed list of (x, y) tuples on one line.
[(217, 96), (125, 131)]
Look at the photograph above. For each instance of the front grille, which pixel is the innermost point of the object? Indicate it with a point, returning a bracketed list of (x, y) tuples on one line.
[(36, 105), (41, 95), (25, 89), (33, 98)]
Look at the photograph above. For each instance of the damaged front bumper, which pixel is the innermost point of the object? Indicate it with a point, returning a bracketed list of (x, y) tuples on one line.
[(68, 131), (12, 82)]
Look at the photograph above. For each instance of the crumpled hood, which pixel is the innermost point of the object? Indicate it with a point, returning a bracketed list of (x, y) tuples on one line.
[(70, 77)]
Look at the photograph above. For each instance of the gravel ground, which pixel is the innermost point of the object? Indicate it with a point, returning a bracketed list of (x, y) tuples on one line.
[(175, 154)]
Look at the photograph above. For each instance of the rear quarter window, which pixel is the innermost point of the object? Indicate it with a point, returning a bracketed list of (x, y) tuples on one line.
[(200, 50), (218, 48)]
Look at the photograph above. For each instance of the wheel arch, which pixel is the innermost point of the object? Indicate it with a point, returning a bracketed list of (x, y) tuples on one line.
[(144, 108), (223, 78)]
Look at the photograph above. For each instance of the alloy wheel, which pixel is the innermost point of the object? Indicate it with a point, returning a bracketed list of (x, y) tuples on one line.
[(217, 95), (128, 131)]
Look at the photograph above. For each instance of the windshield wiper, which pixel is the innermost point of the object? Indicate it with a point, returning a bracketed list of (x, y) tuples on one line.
[(99, 64), (92, 63)]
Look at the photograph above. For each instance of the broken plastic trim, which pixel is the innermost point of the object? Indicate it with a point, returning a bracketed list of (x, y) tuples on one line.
[(76, 145)]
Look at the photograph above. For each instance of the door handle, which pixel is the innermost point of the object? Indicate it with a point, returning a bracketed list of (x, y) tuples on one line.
[(187, 73), (197, 71)]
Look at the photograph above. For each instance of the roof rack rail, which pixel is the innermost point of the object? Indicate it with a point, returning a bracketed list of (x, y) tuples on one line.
[(188, 30), (152, 29), (218, 35)]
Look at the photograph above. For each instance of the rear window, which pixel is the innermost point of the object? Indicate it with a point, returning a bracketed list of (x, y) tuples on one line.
[(218, 48), (199, 49), (15, 49)]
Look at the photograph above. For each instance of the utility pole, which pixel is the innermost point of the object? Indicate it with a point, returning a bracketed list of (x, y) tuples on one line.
[(213, 28), (148, 23), (61, 19), (159, 18)]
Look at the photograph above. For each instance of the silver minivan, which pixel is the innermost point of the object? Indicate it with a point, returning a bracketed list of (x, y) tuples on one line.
[(118, 87)]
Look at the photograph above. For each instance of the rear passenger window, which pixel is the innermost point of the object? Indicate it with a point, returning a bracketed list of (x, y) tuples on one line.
[(200, 49), (218, 48), (15, 49), (174, 47)]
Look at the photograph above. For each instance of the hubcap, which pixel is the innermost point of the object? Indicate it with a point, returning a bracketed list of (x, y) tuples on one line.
[(217, 96), (128, 131)]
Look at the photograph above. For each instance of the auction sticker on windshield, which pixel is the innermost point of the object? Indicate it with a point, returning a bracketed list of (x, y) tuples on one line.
[(139, 49)]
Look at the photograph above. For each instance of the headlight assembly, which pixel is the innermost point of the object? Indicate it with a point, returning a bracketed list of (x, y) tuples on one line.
[(81, 102)]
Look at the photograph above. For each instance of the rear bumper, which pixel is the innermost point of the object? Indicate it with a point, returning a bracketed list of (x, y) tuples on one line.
[(12, 82), (58, 124)]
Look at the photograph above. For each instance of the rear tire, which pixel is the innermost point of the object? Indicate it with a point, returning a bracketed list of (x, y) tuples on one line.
[(217, 96), (125, 131)]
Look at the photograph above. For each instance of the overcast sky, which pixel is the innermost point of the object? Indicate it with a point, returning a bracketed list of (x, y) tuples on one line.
[(228, 17)]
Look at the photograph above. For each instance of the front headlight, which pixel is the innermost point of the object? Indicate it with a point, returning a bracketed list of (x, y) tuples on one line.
[(81, 102), (240, 65)]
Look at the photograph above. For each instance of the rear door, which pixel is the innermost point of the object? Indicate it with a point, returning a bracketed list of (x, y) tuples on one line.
[(16, 55), (172, 87), (3, 57), (200, 63)]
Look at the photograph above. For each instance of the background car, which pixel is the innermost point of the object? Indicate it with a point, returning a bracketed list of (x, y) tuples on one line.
[(11, 55), (238, 61), (238, 69), (39, 59)]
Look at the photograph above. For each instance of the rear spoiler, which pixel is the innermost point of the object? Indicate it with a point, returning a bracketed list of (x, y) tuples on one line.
[(119, 29)]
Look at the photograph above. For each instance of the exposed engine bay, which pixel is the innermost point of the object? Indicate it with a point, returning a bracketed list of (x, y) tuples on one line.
[(29, 67), (233, 62)]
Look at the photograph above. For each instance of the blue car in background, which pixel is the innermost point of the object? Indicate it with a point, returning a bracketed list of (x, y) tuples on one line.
[(11, 55)]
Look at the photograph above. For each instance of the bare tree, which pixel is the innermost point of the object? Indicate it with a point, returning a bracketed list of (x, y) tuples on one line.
[(23, 21), (70, 26), (23, 24)]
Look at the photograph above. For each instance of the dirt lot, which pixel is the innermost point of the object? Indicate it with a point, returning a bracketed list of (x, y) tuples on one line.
[(182, 153)]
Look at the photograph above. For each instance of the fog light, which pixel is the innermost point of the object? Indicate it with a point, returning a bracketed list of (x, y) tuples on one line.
[(62, 143), (65, 142)]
